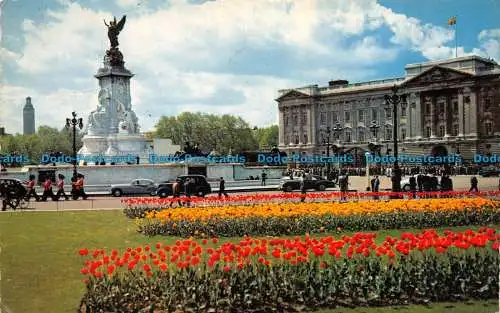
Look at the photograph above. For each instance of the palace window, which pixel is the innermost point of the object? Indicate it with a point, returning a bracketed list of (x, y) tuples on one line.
[(403, 111), (286, 120), (361, 135), (374, 114), (335, 117), (295, 119), (296, 139), (323, 118), (347, 117), (489, 128), (388, 133), (403, 133), (487, 104), (455, 107), (305, 138), (428, 132), (441, 107), (388, 113), (304, 118), (348, 136), (441, 131), (455, 129), (428, 108), (361, 116)]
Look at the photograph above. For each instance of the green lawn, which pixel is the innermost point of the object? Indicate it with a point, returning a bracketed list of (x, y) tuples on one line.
[(40, 268)]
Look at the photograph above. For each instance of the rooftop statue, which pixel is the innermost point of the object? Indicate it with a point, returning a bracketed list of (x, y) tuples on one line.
[(114, 29)]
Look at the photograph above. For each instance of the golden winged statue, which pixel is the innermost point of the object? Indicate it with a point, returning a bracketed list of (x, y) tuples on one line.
[(114, 29)]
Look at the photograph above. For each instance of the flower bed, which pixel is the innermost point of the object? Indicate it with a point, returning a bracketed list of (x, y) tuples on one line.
[(138, 207), (275, 219), (289, 275)]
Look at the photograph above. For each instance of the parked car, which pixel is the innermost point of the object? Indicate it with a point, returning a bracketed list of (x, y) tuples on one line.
[(201, 186), (316, 182), (135, 187), (489, 171)]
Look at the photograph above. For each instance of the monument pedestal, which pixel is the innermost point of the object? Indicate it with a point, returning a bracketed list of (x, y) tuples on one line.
[(113, 128), (93, 145)]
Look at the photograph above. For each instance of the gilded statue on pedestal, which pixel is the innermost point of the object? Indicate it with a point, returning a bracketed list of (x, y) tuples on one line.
[(114, 29)]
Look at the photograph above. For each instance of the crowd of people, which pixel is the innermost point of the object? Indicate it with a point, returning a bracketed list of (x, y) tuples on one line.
[(386, 170)]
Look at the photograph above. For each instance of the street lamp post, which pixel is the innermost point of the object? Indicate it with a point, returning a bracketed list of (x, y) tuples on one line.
[(374, 130), (326, 141), (337, 130), (395, 100), (74, 122)]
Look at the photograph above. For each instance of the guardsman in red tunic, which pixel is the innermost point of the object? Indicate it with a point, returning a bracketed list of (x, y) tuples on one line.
[(47, 189), (30, 184), (60, 188)]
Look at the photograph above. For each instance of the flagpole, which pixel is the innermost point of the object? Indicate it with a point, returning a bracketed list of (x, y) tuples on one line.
[(456, 41)]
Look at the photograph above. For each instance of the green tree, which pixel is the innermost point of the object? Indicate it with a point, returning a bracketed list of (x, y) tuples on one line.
[(208, 131), (267, 137), (45, 140)]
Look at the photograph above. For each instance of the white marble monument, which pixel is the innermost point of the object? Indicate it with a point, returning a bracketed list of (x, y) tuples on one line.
[(112, 129)]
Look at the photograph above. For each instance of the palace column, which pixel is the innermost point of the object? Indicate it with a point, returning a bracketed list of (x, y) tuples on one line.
[(281, 119), (433, 116), (417, 117), (473, 113), (312, 123), (460, 113)]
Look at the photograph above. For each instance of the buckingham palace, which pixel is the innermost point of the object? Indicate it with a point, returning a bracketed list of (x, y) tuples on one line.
[(452, 107)]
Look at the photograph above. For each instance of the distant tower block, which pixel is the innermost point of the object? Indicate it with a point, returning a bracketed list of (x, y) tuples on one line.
[(28, 118)]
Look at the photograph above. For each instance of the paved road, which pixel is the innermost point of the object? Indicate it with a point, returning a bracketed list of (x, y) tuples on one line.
[(460, 183)]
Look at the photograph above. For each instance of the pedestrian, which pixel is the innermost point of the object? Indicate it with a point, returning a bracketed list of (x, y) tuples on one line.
[(222, 188), (60, 188), (176, 192), (434, 184), (473, 184), (420, 182), (30, 184), (344, 185), (413, 186), (264, 176), (47, 190), (303, 187), (187, 191), (375, 184)]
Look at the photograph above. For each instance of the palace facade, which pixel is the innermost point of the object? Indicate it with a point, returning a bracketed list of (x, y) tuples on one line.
[(452, 106)]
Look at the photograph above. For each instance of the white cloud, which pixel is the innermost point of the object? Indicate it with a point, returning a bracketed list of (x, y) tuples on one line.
[(191, 57), (490, 43)]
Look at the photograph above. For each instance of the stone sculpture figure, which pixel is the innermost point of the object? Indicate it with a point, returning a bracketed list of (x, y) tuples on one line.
[(114, 29), (103, 98), (97, 118)]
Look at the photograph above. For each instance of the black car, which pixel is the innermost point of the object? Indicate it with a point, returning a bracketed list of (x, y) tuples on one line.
[(315, 182), (489, 171), (200, 188)]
